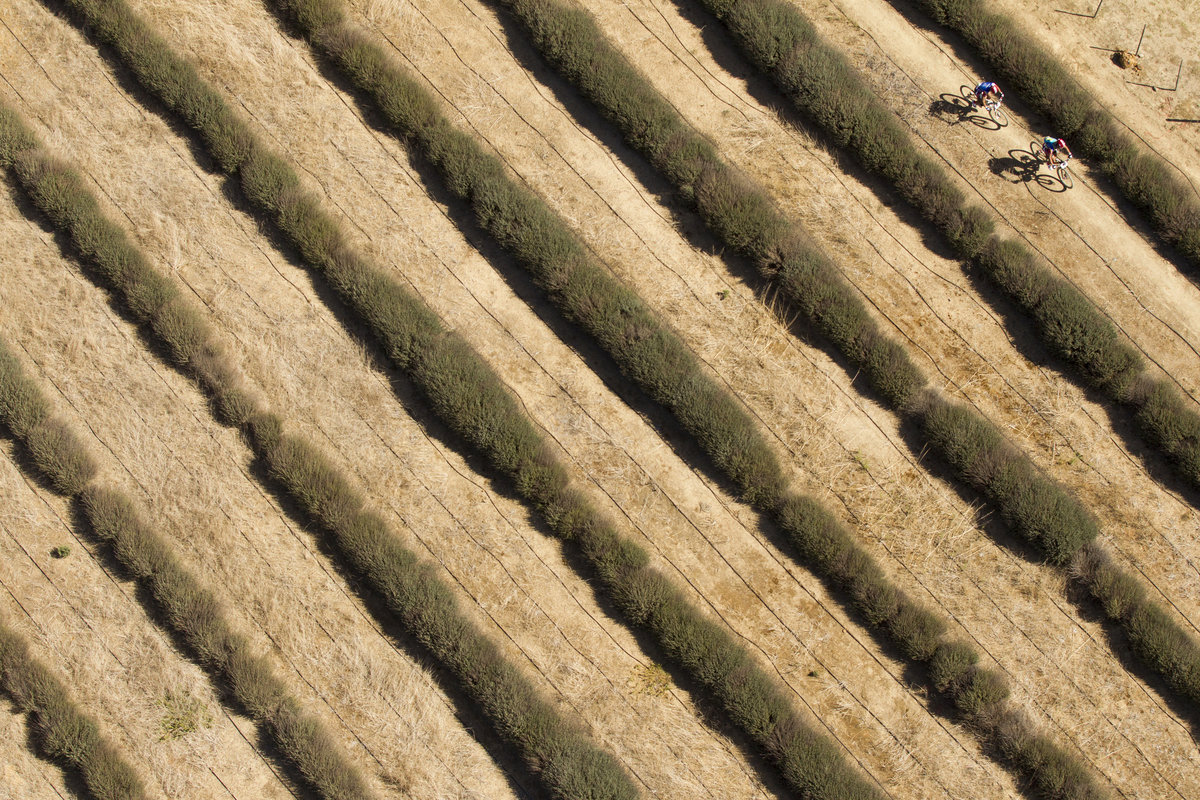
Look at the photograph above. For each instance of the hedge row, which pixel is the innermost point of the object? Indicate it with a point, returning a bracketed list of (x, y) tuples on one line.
[(744, 216), (1146, 179), (563, 755), (657, 361), (471, 400), (777, 38), (61, 729), (190, 608)]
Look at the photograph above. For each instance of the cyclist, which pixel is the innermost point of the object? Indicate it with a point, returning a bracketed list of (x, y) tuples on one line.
[(984, 91), (1052, 146)]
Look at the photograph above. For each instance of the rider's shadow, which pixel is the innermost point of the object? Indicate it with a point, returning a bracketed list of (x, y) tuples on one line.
[(1019, 166), (955, 107)]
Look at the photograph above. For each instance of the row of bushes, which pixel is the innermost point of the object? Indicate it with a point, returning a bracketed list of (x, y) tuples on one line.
[(565, 757), (777, 38), (190, 608), (61, 730), (743, 214), (782, 43), (657, 361), (472, 401), (746, 218), (1146, 179)]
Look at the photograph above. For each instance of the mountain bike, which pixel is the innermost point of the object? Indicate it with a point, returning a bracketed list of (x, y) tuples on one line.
[(1060, 168), (995, 110), (1064, 172)]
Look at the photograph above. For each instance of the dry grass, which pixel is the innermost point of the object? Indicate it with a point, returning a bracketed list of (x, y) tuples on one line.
[(951, 527), (823, 446), (206, 482)]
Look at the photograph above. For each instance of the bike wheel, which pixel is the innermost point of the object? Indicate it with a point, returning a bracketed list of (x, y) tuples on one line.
[(998, 115), (1035, 149), (967, 93), (1064, 175)]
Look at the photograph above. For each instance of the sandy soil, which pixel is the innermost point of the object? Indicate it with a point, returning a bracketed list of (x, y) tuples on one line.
[(938, 543)]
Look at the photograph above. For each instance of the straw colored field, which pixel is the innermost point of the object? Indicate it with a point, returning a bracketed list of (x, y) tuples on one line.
[(395, 718)]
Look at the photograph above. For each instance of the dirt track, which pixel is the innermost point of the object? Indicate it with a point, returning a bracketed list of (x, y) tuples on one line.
[(159, 440)]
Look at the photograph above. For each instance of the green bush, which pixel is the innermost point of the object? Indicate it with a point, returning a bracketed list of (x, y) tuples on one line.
[(1018, 271), (979, 692), (60, 456), (1118, 592), (313, 16), (916, 629), (23, 407), (1037, 507), (1168, 421), (56, 451), (735, 209), (267, 179), (315, 751), (1166, 647), (951, 665), (1077, 332), (14, 137), (170, 78)]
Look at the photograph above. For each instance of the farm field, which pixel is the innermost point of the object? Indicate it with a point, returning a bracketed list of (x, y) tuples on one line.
[(400, 719)]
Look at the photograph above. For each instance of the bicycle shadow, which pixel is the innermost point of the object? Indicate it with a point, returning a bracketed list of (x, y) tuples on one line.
[(953, 106), (1021, 166)]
